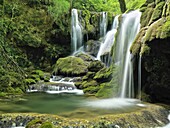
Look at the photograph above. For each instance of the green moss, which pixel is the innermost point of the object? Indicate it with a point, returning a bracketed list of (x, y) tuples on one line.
[(146, 15), (89, 75), (91, 90), (145, 49), (47, 125), (95, 66), (153, 30), (34, 123), (165, 31), (3, 94), (135, 48), (145, 97), (39, 73), (84, 57), (104, 74), (30, 81), (105, 91), (71, 66), (157, 12), (89, 83), (35, 77)]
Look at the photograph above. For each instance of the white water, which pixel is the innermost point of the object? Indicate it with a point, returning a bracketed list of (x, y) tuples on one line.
[(76, 34), (114, 103), (108, 42), (129, 28), (103, 24), (139, 78)]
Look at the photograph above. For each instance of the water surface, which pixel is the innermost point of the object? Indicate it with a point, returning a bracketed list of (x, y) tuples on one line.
[(68, 105)]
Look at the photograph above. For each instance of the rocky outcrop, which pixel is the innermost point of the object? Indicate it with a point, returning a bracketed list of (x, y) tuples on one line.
[(93, 74), (152, 43)]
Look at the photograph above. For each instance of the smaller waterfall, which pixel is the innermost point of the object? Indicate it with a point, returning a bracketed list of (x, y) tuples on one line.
[(103, 24), (76, 34), (139, 77), (107, 43)]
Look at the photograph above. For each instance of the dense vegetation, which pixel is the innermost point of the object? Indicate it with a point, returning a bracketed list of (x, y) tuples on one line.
[(36, 33)]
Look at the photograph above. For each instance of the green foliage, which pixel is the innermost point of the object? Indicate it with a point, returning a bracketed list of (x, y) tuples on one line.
[(11, 82), (134, 4), (40, 73), (60, 10), (30, 81), (97, 5)]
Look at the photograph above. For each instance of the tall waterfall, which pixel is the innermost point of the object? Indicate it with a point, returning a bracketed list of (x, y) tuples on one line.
[(103, 24), (76, 34), (128, 30), (107, 43)]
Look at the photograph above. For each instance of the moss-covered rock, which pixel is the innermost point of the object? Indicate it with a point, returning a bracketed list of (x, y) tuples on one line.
[(89, 75), (106, 91), (152, 43), (157, 13), (105, 74), (85, 57), (47, 125), (71, 66), (34, 123), (89, 83), (92, 47), (95, 66), (146, 15)]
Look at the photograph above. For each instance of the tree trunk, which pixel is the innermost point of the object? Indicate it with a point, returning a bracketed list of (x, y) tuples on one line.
[(122, 5)]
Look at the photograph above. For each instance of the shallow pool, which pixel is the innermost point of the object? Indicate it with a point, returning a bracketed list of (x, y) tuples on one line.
[(68, 105)]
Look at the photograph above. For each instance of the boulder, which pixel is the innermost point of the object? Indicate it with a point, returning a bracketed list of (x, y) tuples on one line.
[(92, 47), (71, 66)]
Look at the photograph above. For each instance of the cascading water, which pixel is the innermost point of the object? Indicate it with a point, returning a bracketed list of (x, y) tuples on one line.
[(139, 77), (128, 30), (76, 34), (107, 43), (103, 24)]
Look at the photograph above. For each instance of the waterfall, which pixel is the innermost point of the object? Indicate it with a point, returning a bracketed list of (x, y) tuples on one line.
[(76, 32), (139, 77), (128, 30), (103, 24), (107, 43)]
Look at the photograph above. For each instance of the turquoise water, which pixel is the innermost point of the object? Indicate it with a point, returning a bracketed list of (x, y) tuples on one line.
[(67, 105)]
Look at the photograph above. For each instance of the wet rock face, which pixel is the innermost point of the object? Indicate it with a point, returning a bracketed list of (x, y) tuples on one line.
[(156, 70), (153, 44)]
